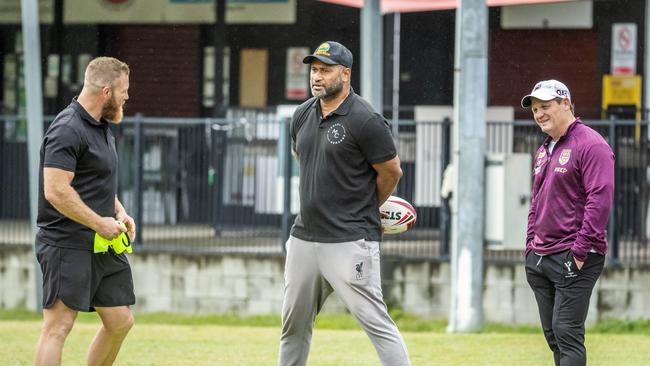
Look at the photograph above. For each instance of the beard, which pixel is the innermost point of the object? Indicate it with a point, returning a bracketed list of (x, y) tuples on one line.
[(112, 111), (328, 91)]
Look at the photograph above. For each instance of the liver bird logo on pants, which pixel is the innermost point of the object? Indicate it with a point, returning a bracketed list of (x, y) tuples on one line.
[(359, 268)]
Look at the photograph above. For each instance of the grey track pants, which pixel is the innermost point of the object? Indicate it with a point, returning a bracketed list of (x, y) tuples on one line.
[(312, 272)]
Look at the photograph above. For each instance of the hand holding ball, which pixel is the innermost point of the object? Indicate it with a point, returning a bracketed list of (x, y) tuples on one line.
[(398, 215)]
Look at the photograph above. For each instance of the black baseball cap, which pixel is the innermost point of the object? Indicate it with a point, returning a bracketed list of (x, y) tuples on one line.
[(331, 53)]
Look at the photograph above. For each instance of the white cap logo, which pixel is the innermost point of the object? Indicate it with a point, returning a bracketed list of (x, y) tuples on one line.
[(546, 90)]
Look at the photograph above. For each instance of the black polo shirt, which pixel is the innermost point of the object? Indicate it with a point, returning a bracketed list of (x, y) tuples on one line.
[(76, 142), (338, 185)]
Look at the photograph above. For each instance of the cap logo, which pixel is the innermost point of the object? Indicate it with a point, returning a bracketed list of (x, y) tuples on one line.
[(323, 49), (561, 93)]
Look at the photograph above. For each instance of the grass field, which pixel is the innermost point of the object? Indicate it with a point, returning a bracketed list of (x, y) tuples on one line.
[(160, 339)]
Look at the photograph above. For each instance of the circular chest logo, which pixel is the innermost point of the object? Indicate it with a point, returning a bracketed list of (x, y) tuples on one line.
[(336, 134)]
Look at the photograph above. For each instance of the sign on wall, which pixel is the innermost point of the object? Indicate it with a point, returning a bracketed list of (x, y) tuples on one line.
[(623, 49), (10, 11), (157, 11), (178, 11), (253, 77), (138, 11), (297, 76), (260, 11), (576, 14)]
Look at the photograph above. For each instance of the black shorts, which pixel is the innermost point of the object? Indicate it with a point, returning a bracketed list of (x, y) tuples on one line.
[(83, 279)]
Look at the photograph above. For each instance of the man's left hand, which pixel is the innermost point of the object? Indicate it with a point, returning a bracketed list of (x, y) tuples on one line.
[(129, 223), (578, 263)]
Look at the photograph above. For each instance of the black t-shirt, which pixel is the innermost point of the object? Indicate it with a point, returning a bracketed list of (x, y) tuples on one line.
[(76, 142), (338, 185)]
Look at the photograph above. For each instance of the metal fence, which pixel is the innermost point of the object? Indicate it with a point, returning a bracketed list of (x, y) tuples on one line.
[(219, 185)]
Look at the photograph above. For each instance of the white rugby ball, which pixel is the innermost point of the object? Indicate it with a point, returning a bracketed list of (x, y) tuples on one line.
[(400, 215)]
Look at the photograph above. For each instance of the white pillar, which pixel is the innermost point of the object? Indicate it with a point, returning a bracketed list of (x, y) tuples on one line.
[(470, 99), (372, 54), (34, 110)]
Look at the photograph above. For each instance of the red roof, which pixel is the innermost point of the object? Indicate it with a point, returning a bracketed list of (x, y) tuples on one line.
[(409, 6)]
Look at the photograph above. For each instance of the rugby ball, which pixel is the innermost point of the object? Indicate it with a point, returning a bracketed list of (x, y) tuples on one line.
[(397, 215)]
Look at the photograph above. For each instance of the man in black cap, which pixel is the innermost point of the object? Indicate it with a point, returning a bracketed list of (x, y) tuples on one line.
[(348, 168)]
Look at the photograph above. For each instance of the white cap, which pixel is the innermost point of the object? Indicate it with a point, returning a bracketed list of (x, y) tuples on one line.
[(546, 90)]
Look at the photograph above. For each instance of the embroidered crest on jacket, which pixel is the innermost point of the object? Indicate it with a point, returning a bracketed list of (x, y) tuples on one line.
[(565, 156)]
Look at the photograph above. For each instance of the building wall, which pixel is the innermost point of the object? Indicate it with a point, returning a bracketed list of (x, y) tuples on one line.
[(621, 11), (426, 58), (520, 58), (248, 285), (316, 22), (167, 58), (165, 68)]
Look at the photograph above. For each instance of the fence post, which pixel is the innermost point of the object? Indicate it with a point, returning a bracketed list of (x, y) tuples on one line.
[(288, 170), (445, 214), (137, 184), (612, 236), (219, 140)]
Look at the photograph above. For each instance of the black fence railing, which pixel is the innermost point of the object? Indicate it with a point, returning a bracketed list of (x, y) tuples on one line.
[(219, 185)]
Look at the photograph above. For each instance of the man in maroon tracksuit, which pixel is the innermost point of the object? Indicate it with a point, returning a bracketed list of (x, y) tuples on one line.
[(566, 243)]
